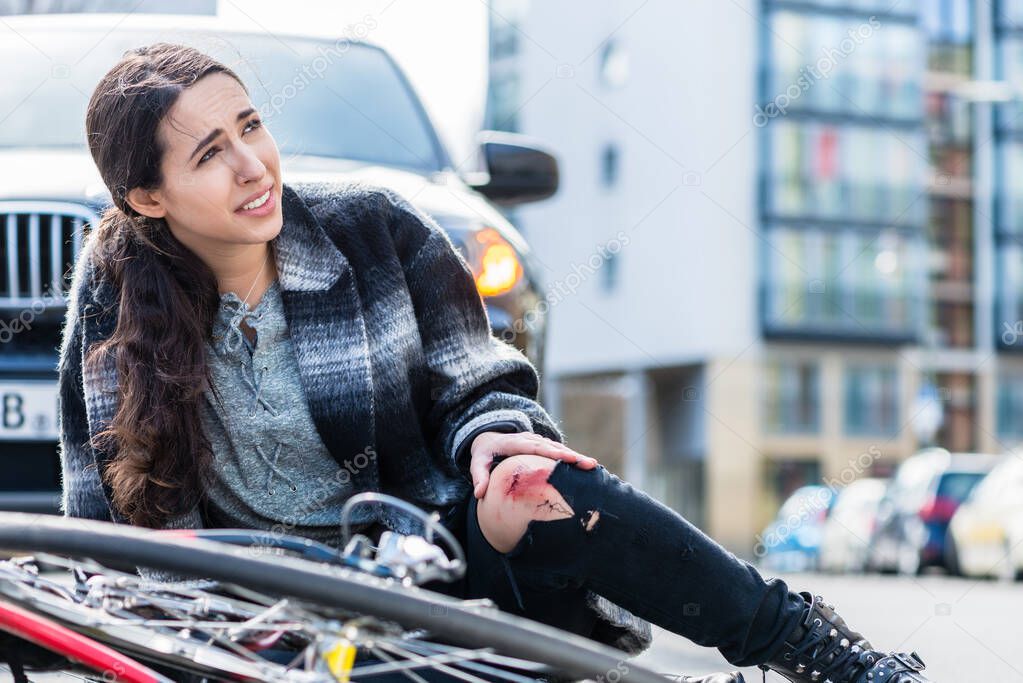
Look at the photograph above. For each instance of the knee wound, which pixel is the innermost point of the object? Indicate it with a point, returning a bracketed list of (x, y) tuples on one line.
[(583, 492)]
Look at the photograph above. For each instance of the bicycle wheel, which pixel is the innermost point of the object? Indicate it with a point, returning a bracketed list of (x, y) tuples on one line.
[(475, 632)]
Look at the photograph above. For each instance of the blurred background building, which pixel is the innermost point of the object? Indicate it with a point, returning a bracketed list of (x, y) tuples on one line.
[(822, 271)]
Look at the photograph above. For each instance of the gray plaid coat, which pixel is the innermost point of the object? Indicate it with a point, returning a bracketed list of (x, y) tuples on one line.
[(395, 353)]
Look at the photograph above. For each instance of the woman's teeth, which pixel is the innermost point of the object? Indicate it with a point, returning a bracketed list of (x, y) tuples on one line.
[(256, 203)]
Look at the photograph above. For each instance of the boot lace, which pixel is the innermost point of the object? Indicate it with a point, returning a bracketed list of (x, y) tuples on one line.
[(849, 660)]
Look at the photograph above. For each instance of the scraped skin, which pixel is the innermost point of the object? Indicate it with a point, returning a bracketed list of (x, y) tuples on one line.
[(518, 493)]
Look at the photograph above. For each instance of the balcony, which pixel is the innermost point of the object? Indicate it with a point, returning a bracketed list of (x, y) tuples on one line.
[(815, 310), (820, 172), (885, 11)]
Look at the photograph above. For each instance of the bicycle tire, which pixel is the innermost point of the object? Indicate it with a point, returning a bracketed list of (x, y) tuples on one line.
[(328, 585)]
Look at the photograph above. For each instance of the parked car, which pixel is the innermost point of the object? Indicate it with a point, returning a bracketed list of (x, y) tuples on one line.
[(358, 120), (914, 513), (986, 532), (850, 524), (791, 543)]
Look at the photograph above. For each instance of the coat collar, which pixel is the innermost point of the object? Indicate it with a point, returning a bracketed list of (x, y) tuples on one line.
[(307, 260)]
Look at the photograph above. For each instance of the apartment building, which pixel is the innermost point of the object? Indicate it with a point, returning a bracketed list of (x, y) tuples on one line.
[(787, 247)]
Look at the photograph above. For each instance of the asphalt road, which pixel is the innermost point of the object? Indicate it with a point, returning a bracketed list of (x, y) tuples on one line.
[(967, 631)]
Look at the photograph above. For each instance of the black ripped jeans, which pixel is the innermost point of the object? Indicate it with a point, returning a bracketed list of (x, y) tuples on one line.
[(639, 554)]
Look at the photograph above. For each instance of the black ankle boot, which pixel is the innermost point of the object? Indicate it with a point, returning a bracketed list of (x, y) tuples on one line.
[(823, 649)]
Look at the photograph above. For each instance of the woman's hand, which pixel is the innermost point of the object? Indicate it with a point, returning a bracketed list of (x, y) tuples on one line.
[(488, 444)]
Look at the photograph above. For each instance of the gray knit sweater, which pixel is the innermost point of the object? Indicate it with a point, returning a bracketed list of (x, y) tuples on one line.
[(271, 469)]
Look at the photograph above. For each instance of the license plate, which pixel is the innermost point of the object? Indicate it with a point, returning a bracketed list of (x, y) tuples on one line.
[(28, 410)]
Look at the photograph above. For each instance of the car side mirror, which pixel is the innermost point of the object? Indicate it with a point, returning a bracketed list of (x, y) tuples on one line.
[(515, 170)]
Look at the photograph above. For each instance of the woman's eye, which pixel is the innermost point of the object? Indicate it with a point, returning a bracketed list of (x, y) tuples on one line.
[(253, 124), (207, 155)]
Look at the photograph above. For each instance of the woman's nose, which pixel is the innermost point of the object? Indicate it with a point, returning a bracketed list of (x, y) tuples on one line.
[(249, 166)]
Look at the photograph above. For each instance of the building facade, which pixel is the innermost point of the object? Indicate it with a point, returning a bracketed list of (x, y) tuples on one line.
[(787, 247)]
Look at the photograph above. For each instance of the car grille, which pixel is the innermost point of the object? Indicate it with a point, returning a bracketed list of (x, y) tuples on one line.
[(39, 242)]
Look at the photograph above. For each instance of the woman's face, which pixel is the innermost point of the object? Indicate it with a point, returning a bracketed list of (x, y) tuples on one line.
[(209, 175)]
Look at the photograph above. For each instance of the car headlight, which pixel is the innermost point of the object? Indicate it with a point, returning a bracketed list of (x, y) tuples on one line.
[(495, 265)]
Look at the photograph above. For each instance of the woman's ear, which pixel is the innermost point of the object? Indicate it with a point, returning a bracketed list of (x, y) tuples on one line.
[(146, 202)]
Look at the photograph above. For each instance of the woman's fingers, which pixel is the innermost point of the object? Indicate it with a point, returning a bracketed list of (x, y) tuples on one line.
[(538, 445), (479, 470), (535, 441), (488, 444)]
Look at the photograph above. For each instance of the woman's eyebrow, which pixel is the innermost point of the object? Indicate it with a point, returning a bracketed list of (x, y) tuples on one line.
[(217, 131)]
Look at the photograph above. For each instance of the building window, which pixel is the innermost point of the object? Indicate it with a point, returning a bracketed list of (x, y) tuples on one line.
[(791, 397), (504, 40), (614, 65), (506, 18), (503, 101), (784, 477), (871, 400), (1010, 13), (848, 173), (1008, 175), (1010, 406), (1010, 206), (878, 79), (949, 21), (1009, 298), (609, 165), (609, 273), (842, 282)]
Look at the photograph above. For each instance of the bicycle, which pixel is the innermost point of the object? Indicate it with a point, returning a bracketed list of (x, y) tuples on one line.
[(267, 607)]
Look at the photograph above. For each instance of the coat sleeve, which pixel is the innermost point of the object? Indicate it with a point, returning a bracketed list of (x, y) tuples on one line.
[(81, 491), (478, 382)]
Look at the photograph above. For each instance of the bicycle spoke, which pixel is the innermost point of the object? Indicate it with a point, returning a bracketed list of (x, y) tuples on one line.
[(488, 668), (439, 661), (387, 658)]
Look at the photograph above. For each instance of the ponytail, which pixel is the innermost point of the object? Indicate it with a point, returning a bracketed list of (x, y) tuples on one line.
[(167, 300)]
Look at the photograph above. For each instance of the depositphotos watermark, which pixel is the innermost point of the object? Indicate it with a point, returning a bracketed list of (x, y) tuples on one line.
[(613, 675), (1012, 333), (815, 503), (811, 74), (23, 321)]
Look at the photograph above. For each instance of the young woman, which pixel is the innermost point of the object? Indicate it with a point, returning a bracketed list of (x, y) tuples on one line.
[(242, 353)]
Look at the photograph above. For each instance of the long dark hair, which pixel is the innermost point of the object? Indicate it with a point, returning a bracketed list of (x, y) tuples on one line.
[(168, 296)]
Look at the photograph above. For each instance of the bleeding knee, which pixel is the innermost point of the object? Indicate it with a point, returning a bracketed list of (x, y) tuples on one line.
[(518, 492), (520, 481)]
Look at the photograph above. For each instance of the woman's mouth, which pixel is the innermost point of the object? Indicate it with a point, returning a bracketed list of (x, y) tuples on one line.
[(261, 206)]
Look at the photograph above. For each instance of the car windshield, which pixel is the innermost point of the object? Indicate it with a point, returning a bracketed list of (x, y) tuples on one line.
[(957, 485), (317, 97)]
